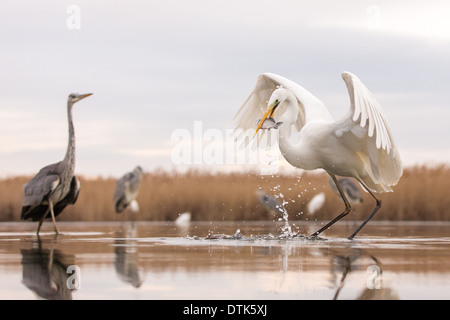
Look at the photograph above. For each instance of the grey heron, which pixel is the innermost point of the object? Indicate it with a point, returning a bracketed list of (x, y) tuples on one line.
[(127, 189), (127, 256), (350, 189), (54, 186), (359, 144)]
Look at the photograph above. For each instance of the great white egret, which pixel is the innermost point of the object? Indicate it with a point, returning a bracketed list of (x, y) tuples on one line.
[(54, 186), (358, 145)]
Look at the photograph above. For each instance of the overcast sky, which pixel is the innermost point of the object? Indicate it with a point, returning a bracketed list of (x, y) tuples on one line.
[(158, 66)]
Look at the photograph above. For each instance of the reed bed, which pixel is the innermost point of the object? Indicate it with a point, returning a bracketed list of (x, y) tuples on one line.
[(421, 194)]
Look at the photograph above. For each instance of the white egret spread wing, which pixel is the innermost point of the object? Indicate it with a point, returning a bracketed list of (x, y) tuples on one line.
[(309, 107), (365, 130), (366, 108)]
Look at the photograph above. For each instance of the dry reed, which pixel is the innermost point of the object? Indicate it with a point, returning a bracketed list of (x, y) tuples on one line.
[(421, 194)]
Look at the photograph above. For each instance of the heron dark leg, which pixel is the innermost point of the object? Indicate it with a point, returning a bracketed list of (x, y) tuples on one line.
[(39, 225), (50, 205), (348, 208), (41, 221), (370, 216)]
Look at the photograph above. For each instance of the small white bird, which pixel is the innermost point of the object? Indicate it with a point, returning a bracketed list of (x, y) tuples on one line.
[(358, 145), (183, 219), (316, 203)]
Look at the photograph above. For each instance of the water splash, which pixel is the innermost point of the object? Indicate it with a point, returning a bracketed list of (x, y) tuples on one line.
[(236, 236), (269, 237), (286, 229)]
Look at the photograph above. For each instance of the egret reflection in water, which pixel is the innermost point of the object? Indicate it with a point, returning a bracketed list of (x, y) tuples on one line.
[(354, 260), (45, 271)]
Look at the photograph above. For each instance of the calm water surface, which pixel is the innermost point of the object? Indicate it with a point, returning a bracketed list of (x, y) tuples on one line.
[(144, 260)]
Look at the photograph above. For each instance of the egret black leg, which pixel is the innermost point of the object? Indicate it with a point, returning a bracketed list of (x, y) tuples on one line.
[(348, 208), (344, 275), (370, 216)]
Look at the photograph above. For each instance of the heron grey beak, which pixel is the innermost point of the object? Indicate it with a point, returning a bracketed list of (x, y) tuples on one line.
[(82, 96), (267, 114)]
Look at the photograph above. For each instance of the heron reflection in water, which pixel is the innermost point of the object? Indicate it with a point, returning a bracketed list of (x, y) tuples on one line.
[(126, 255), (45, 271)]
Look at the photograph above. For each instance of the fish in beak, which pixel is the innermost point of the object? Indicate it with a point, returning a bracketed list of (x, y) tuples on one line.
[(267, 114)]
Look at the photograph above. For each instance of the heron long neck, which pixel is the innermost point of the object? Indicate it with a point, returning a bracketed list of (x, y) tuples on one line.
[(70, 153)]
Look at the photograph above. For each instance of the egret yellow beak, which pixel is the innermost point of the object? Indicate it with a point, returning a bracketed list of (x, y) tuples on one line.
[(267, 114)]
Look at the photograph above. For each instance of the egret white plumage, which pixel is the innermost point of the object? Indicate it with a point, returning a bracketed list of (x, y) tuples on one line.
[(127, 190), (54, 186), (359, 144)]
